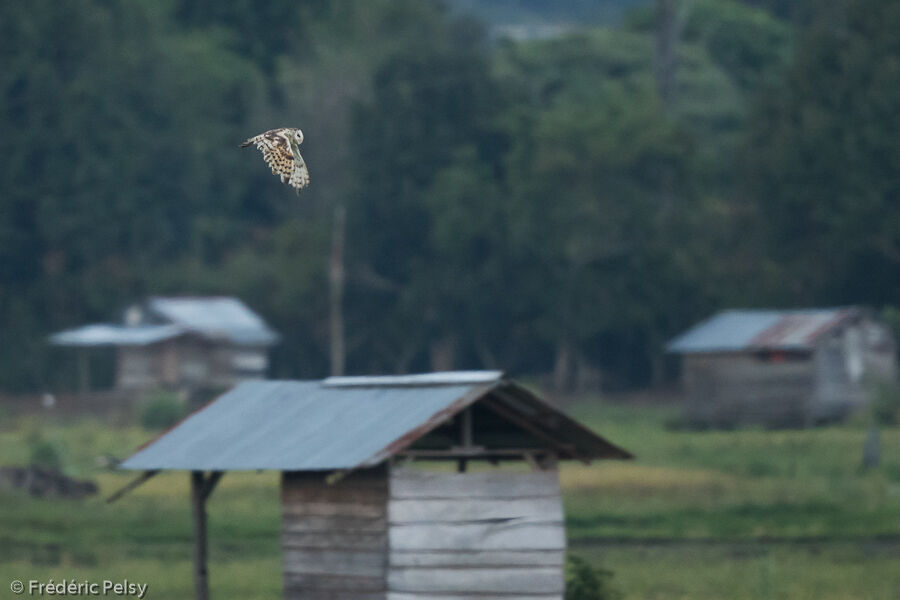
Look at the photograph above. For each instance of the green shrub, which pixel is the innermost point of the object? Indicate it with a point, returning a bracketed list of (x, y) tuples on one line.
[(584, 582), (45, 454), (161, 411)]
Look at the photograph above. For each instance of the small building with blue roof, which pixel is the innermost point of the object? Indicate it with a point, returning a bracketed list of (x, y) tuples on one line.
[(782, 368), (183, 343)]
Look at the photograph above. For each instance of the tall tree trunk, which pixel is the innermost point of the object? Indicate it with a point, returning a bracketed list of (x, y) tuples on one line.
[(336, 292), (657, 361), (405, 356), (668, 30), (669, 24), (443, 353), (562, 368)]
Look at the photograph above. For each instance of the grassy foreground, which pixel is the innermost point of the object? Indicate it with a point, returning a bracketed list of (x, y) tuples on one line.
[(745, 484), (747, 514), (707, 515)]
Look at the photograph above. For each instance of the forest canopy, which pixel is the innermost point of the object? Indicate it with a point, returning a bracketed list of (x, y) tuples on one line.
[(537, 205)]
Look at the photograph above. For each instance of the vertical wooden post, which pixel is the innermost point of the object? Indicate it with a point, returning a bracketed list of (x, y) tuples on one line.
[(468, 433), (336, 295), (466, 436), (198, 503)]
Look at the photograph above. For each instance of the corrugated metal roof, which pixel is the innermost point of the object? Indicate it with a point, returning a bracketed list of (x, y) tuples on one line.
[(305, 425), (216, 318), (742, 330), (115, 335), (439, 378)]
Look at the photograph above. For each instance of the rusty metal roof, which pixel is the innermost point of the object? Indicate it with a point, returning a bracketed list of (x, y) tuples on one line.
[(748, 330), (311, 425)]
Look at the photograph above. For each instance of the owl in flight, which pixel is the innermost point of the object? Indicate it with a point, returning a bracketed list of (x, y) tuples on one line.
[(281, 151)]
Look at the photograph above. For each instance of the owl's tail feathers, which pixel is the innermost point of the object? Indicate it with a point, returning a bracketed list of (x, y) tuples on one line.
[(247, 143)]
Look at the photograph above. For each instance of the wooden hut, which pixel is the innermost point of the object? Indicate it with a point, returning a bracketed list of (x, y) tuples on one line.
[(361, 518), (179, 343), (782, 367)]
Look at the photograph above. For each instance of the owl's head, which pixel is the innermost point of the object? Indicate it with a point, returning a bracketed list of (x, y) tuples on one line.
[(298, 136)]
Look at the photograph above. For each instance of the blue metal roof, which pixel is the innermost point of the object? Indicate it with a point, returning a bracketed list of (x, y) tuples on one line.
[(439, 378), (215, 318), (295, 426), (741, 330), (313, 426)]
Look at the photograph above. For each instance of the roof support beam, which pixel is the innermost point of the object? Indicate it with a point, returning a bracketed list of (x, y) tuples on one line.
[(473, 453), (565, 450), (211, 481), (131, 485), (201, 487)]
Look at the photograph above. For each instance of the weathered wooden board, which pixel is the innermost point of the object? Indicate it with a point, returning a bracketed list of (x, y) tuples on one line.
[(343, 586), (326, 595), (488, 535), (440, 536), (335, 536), (335, 562), (313, 495), (440, 510), (462, 536), (420, 596), (299, 506), (729, 389), (415, 484), (335, 540), (534, 580), (491, 558), (344, 523)]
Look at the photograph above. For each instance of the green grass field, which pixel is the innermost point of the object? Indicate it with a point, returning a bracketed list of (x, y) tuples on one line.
[(707, 515), (747, 514)]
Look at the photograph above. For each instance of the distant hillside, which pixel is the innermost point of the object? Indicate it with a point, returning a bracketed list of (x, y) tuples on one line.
[(544, 12)]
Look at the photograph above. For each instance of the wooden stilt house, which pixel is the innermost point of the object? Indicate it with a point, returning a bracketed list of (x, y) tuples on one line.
[(363, 516)]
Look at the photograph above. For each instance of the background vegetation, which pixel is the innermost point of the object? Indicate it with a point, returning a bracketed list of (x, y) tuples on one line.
[(745, 514), (536, 205), (554, 198)]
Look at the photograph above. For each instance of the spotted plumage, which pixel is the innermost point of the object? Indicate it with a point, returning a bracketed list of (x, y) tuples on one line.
[(281, 151)]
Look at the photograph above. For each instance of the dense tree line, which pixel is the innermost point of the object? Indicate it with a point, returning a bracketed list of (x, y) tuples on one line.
[(538, 206)]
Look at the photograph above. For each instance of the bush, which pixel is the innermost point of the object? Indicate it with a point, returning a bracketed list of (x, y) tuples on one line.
[(45, 454), (162, 411), (583, 582)]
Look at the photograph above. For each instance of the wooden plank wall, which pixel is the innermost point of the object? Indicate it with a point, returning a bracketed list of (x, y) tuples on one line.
[(335, 536), (474, 536), (736, 389), (838, 392)]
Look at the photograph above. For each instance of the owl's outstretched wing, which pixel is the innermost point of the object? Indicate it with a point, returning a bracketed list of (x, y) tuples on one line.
[(300, 174), (276, 151)]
